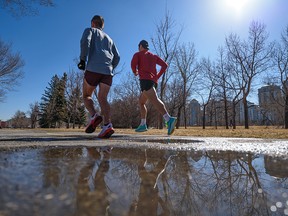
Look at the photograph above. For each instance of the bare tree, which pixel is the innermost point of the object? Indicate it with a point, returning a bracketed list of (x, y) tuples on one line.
[(208, 85), (234, 86), (20, 8), (228, 86), (165, 43), (222, 75), (173, 95), (10, 69), (281, 59), (188, 68), (20, 120), (126, 111), (75, 107), (34, 112), (252, 57)]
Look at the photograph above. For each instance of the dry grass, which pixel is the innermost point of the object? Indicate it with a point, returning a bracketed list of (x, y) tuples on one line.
[(241, 132)]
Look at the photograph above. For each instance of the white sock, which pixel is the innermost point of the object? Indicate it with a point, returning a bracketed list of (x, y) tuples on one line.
[(143, 122), (166, 116)]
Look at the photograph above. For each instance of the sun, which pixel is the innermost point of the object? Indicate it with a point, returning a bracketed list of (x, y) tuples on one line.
[(236, 5)]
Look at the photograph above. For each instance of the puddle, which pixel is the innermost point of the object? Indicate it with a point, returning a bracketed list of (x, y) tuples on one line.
[(140, 181)]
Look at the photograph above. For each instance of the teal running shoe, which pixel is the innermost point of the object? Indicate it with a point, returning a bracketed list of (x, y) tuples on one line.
[(171, 125), (141, 128)]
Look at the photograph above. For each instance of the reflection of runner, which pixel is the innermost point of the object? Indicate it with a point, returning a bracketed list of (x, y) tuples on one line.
[(149, 198), (92, 194), (144, 63)]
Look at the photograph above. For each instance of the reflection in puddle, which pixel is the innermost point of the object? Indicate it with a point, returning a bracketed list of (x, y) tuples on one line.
[(138, 181)]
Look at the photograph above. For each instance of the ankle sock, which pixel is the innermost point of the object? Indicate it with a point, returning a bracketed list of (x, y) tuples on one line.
[(166, 116), (143, 122)]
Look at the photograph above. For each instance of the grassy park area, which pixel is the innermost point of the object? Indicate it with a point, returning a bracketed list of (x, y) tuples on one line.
[(241, 132), (265, 132)]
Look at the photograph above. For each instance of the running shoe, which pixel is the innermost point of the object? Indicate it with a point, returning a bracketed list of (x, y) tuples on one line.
[(94, 122), (141, 128), (106, 131), (171, 125)]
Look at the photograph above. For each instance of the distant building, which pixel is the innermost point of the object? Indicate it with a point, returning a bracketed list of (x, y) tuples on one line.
[(269, 94), (194, 113), (271, 104), (253, 113), (215, 113), (3, 124), (270, 110)]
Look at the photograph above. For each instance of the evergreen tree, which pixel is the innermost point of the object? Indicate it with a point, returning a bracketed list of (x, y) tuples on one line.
[(60, 111), (46, 106), (53, 103)]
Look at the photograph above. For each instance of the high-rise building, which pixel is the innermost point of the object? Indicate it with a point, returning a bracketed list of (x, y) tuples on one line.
[(271, 104), (195, 113), (269, 94)]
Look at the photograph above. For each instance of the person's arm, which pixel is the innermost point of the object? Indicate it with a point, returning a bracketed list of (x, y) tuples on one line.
[(116, 58), (134, 63), (163, 66), (85, 44)]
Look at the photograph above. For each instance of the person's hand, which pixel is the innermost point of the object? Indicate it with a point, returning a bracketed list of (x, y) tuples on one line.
[(81, 65)]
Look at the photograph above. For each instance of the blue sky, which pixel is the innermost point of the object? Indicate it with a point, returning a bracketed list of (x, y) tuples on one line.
[(49, 42)]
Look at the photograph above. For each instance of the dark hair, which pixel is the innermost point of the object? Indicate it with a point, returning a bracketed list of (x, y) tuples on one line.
[(98, 21)]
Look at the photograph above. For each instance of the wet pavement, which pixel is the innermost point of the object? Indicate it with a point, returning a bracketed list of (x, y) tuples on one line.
[(71, 173)]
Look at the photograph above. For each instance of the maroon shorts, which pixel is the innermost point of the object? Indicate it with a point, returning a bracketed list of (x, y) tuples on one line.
[(94, 79)]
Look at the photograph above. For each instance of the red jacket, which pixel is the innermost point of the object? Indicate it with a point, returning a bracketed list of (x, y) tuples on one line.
[(145, 62)]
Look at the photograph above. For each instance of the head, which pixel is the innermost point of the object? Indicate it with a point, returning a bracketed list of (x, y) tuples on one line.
[(143, 44), (97, 22)]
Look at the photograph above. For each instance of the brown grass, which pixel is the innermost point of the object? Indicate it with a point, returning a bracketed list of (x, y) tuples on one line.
[(240, 132)]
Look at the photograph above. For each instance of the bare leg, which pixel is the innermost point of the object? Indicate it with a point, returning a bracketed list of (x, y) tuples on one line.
[(151, 95), (159, 105), (87, 97), (143, 109), (103, 102)]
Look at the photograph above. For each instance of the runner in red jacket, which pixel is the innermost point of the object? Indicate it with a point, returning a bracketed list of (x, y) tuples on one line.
[(144, 63)]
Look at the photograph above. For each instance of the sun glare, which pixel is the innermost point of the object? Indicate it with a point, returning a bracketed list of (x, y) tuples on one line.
[(236, 5)]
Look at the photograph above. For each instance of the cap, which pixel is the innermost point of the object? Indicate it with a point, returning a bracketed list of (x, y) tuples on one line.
[(144, 44)]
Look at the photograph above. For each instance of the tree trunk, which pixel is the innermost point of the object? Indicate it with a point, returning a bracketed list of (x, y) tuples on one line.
[(246, 117), (178, 117), (234, 116), (215, 118), (204, 118), (185, 116), (162, 92), (226, 112), (286, 111)]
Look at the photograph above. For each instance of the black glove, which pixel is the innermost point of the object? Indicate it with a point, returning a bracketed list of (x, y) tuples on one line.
[(82, 65)]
